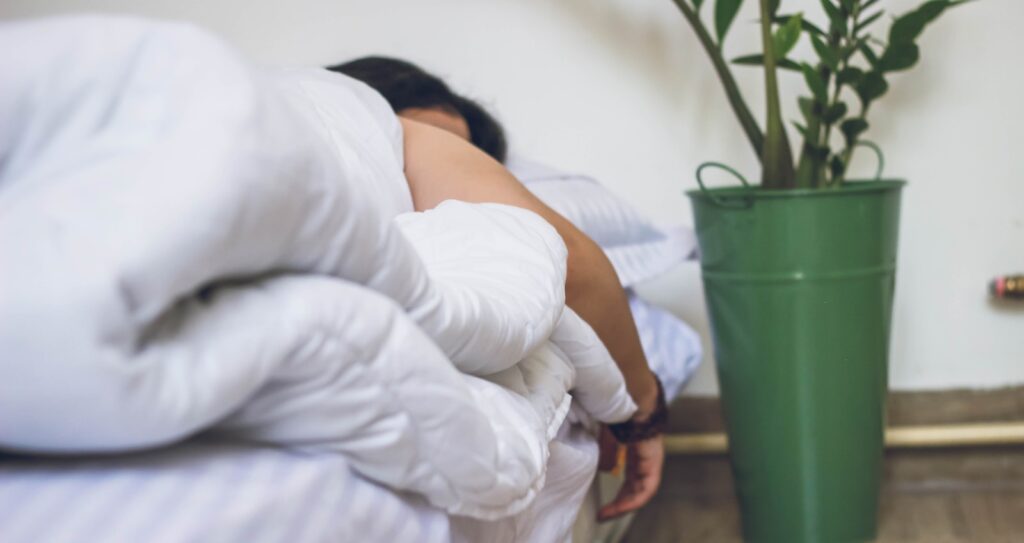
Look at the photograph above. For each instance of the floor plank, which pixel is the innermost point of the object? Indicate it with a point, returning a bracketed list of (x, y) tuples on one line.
[(938, 504)]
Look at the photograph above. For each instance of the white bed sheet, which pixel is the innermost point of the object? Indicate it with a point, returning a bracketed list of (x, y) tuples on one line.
[(673, 349), (219, 491), (206, 490)]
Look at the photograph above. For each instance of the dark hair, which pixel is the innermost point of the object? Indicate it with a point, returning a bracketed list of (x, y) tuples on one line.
[(405, 85)]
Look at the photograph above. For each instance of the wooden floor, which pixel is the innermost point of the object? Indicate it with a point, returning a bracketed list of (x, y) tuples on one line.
[(965, 496)]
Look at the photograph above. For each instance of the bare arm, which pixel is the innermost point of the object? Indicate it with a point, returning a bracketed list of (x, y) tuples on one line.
[(440, 166)]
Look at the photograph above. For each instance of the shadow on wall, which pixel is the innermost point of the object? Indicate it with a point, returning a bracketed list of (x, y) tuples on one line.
[(1006, 307), (650, 41)]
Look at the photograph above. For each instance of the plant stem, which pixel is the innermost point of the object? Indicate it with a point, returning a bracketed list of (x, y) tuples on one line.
[(732, 90), (776, 157), (821, 176), (851, 41), (807, 164), (844, 61), (848, 152)]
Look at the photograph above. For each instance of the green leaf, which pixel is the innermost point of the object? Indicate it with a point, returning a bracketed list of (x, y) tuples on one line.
[(815, 82), (850, 76), (871, 87), (818, 152), (831, 9), (849, 48), (697, 4), (868, 53), (836, 166), (847, 5), (810, 108), (867, 22), (899, 56), (834, 112), (804, 23), (773, 6), (835, 15), (852, 129), (906, 28), (787, 35), (801, 129), (758, 60), (828, 56), (725, 13), (864, 7)]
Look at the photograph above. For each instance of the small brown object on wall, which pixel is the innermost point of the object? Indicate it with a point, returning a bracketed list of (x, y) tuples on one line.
[(1009, 287)]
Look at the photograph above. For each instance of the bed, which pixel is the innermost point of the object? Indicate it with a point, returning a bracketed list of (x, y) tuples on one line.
[(222, 320), (216, 489)]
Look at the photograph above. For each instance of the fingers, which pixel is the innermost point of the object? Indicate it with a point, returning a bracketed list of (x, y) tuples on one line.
[(628, 500), (608, 450), (642, 479)]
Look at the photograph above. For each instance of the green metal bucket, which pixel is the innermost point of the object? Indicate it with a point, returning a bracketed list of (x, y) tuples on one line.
[(799, 287)]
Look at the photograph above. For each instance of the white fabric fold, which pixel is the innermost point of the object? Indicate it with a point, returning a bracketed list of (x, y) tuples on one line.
[(485, 260), (190, 243)]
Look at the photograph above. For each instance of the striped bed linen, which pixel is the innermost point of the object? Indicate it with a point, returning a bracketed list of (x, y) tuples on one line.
[(218, 491), (206, 490), (211, 490)]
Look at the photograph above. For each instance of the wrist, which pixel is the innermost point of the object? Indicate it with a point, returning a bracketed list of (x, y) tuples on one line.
[(645, 396), (644, 426)]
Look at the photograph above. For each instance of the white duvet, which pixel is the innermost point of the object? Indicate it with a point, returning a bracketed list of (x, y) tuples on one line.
[(191, 243)]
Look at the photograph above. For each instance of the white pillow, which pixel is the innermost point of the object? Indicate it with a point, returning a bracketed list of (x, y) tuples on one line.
[(637, 248)]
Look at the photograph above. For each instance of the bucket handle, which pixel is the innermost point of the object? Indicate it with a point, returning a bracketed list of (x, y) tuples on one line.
[(743, 203), (878, 154)]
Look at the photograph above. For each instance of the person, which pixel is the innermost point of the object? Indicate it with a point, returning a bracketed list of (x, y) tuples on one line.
[(420, 96), (163, 176), (438, 124)]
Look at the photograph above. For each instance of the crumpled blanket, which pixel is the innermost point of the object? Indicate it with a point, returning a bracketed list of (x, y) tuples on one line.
[(192, 243)]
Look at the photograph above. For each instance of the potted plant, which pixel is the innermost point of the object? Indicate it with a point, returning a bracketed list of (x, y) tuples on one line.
[(799, 272)]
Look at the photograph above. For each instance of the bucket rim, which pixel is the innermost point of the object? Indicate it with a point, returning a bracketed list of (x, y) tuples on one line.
[(848, 188)]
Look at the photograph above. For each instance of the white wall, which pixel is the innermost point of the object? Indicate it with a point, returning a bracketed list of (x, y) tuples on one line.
[(620, 89)]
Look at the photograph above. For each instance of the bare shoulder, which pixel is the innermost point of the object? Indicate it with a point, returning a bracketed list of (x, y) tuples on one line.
[(441, 166)]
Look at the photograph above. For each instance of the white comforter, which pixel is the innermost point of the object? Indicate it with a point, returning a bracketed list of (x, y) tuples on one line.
[(188, 242)]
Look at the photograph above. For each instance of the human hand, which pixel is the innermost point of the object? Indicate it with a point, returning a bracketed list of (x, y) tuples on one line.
[(607, 450), (644, 462)]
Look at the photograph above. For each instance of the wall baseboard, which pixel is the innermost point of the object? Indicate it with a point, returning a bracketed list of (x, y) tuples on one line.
[(701, 414), (960, 469)]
